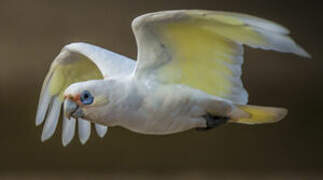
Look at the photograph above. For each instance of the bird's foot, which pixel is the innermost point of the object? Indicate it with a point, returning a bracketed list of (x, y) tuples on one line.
[(213, 121)]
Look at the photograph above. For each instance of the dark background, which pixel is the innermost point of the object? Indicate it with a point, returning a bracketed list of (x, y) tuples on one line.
[(33, 32)]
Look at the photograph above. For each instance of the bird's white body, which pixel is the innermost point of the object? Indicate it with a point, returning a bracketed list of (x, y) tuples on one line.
[(187, 75), (155, 108)]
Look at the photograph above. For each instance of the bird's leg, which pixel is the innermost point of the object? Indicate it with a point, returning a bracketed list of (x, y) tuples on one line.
[(213, 121)]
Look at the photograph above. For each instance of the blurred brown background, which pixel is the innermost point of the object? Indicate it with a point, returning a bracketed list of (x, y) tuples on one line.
[(32, 33)]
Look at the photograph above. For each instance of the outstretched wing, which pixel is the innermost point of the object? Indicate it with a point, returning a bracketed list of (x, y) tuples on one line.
[(76, 62), (203, 49)]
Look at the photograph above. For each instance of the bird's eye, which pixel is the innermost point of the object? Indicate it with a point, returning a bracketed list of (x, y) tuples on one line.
[(86, 98)]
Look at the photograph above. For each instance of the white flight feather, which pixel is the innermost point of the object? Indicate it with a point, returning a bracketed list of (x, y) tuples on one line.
[(84, 130), (68, 130), (257, 22), (101, 130), (52, 119), (44, 101), (281, 43)]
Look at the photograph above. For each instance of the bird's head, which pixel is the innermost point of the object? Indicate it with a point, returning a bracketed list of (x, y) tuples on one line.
[(83, 99)]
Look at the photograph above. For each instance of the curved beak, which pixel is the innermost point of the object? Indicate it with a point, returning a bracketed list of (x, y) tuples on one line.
[(71, 109)]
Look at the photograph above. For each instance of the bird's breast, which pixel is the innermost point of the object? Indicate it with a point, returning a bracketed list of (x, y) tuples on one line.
[(153, 110)]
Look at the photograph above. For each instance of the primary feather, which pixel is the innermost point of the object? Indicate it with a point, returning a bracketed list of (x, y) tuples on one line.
[(68, 130), (101, 130), (84, 130)]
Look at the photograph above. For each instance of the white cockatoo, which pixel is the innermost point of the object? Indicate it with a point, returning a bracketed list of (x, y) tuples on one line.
[(187, 75)]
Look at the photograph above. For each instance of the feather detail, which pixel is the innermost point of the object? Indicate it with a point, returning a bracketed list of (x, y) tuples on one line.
[(84, 130), (52, 119), (101, 130), (68, 130), (43, 104)]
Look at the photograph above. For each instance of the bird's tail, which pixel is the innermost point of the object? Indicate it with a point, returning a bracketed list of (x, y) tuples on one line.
[(257, 114)]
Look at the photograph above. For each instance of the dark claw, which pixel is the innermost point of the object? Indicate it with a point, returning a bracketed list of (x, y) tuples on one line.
[(213, 121)]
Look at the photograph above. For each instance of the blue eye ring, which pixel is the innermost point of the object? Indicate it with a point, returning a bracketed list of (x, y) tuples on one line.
[(86, 98)]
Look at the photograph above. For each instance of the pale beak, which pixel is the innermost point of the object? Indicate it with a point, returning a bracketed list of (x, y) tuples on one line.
[(71, 109)]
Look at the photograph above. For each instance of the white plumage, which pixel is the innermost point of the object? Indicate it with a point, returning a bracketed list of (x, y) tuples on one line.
[(106, 60), (187, 75)]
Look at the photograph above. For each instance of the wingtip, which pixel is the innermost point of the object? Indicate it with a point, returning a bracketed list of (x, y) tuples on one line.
[(84, 128), (101, 135), (306, 55), (37, 122), (40, 117), (68, 131), (64, 143), (83, 141), (44, 137), (302, 52), (101, 130)]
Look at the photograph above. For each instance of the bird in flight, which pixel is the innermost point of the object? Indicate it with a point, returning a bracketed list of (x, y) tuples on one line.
[(187, 76)]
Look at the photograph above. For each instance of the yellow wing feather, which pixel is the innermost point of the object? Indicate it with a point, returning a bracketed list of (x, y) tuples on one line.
[(203, 49), (65, 75), (203, 59)]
